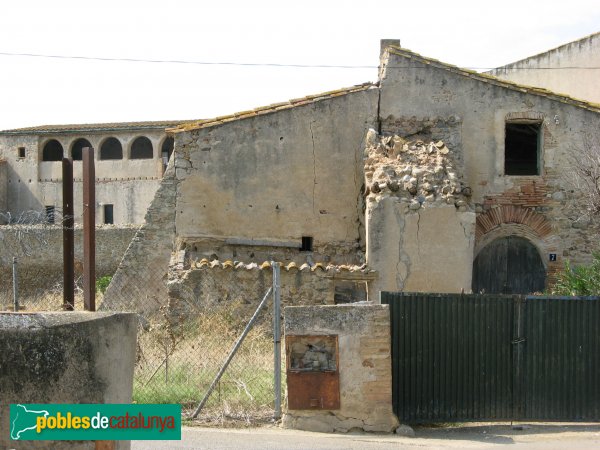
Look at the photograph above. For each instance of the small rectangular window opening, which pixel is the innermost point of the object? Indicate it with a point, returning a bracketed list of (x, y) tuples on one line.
[(21, 152), (522, 149), (108, 214), (307, 244), (50, 214)]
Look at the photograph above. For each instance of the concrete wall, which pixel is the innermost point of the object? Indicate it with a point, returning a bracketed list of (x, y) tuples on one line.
[(364, 367), (64, 358), (277, 177), (128, 184), (569, 69), (423, 89)]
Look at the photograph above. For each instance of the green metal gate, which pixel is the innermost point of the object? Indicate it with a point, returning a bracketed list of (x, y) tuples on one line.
[(461, 357)]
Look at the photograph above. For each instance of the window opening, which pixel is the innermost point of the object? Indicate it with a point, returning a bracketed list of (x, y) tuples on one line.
[(50, 214), (53, 151), (77, 149), (108, 214), (111, 149), (166, 151), (307, 244), (142, 148), (522, 149), (21, 152)]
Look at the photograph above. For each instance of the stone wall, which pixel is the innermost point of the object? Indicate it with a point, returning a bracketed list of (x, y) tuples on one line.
[(64, 358), (140, 282), (365, 373), (3, 187), (277, 175), (427, 90), (239, 287), (38, 249)]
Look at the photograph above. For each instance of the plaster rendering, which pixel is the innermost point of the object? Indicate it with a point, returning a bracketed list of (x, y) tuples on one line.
[(571, 69)]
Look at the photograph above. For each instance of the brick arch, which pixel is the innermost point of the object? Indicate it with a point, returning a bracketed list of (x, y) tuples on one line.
[(507, 214)]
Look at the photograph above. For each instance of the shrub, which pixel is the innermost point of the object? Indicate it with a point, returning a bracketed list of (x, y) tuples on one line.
[(579, 280), (102, 283)]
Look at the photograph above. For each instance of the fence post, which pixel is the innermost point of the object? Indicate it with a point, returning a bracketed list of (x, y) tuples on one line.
[(15, 285), (277, 337)]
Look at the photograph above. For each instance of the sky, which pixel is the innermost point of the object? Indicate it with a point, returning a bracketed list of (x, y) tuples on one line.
[(253, 36)]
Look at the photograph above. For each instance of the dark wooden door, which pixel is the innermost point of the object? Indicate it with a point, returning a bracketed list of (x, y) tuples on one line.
[(509, 265)]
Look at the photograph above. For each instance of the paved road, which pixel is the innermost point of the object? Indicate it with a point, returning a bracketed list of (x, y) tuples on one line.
[(536, 437)]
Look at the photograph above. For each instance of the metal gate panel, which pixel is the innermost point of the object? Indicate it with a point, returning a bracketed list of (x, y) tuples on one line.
[(451, 356), (561, 359), (462, 357)]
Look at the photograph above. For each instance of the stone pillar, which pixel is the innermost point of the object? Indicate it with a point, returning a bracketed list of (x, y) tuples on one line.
[(365, 367), (419, 248)]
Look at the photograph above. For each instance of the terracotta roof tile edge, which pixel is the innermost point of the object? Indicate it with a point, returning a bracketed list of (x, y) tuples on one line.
[(266, 265), (486, 78), (196, 125)]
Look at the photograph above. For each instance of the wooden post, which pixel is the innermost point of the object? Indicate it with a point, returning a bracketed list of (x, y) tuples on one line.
[(89, 230), (68, 236)]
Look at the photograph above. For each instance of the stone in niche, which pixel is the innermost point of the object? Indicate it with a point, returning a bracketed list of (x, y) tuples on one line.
[(313, 355)]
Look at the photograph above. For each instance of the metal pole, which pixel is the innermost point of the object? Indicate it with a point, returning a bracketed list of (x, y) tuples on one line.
[(68, 236), (15, 286), (89, 230), (231, 354), (277, 337)]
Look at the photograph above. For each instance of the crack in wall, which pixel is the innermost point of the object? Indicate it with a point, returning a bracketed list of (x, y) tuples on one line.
[(312, 137), (360, 201)]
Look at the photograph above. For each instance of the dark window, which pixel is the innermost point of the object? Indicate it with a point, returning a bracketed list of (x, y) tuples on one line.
[(522, 149), (77, 149), (53, 151), (111, 149), (167, 150), (307, 244), (142, 148), (108, 214), (50, 214), (21, 152)]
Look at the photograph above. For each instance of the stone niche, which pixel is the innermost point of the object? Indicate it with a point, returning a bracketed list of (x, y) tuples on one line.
[(65, 357), (348, 342)]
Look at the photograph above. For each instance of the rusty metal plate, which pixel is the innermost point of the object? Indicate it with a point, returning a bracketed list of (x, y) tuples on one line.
[(313, 390)]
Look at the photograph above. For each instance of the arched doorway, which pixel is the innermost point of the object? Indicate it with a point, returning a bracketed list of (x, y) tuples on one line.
[(509, 265)]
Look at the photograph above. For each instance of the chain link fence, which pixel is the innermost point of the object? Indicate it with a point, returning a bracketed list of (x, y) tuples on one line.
[(184, 337), (183, 345)]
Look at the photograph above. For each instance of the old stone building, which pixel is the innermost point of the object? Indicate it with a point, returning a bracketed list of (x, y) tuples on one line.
[(130, 161), (571, 69), (434, 179)]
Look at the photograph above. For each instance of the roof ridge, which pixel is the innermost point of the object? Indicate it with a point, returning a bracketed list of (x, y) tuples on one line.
[(585, 38), (112, 126), (267, 109), (486, 78)]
